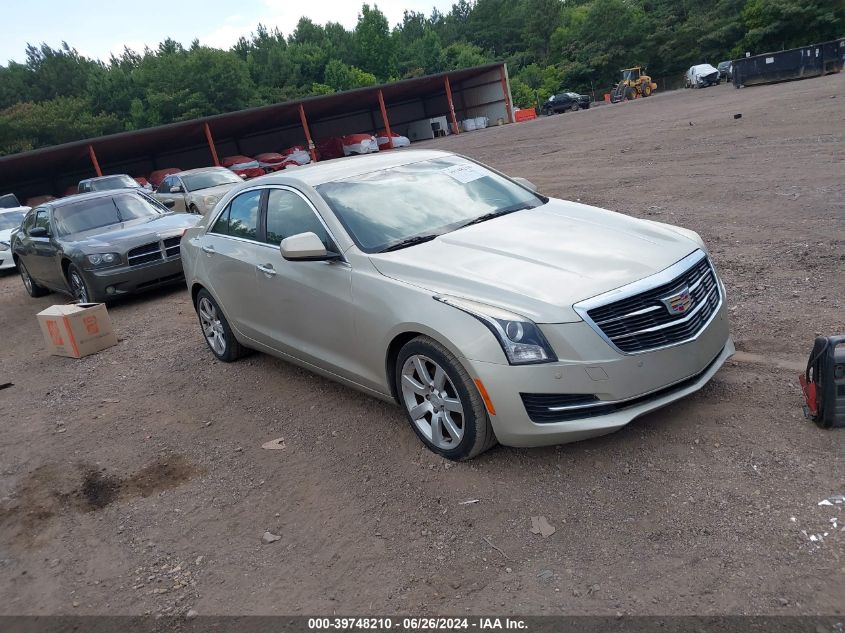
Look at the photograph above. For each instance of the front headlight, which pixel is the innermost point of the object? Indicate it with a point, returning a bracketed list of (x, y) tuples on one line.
[(520, 338), (4, 246), (210, 201), (102, 260)]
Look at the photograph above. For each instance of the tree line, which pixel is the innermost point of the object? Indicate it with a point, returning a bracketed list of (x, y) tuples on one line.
[(57, 95)]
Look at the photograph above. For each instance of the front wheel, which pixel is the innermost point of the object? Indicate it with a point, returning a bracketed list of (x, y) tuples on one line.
[(32, 288), (574, 108), (441, 402), (216, 330), (79, 287)]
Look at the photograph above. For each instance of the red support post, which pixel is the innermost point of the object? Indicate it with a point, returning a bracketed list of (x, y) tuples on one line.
[(451, 106), (93, 156), (505, 91), (384, 118), (211, 145), (304, 121)]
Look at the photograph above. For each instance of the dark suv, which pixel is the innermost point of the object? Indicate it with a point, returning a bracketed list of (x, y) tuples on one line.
[(565, 101), (726, 70)]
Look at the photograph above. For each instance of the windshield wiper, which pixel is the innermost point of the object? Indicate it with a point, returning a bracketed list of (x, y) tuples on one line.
[(117, 208), (496, 214), (410, 241)]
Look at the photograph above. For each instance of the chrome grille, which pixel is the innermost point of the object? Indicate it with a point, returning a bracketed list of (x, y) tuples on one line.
[(145, 254), (155, 251), (641, 322)]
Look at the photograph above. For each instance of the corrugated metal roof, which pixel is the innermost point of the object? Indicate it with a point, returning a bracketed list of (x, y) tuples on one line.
[(139, 143)]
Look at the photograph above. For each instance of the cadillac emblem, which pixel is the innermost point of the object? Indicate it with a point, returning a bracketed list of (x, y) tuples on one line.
[(678, 303)]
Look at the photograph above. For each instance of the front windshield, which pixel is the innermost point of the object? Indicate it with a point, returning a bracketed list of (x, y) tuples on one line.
[(11, 220), (207, 179), (113, 182), (95, 213), (383, 208)]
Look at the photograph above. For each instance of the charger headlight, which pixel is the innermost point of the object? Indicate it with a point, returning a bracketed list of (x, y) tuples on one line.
[(522, 341), (4, 246), (102, 260)]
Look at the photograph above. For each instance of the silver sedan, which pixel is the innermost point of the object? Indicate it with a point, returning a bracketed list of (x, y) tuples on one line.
[(486, 310)]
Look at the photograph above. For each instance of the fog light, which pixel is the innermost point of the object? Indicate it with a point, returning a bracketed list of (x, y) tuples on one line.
[(110, 290)]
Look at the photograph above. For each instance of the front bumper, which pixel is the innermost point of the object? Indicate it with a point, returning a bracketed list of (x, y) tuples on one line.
[(130, 279), (7, 262), (626, 386)]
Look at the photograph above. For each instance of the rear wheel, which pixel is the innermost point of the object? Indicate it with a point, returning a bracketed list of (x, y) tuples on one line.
[(441, 402), (216, 330), (32, 288)]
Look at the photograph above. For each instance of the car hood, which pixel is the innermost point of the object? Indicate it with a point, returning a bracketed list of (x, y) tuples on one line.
[(126, 235), (702, 70), (541, 261), (218, 192)]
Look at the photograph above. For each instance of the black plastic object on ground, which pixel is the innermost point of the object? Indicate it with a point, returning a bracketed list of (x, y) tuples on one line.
[(812, 60), (824, 382)]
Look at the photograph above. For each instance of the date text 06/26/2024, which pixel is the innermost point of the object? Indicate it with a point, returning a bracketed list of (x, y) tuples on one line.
[(415, 624)]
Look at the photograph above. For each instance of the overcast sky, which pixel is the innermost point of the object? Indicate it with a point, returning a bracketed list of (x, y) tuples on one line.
[(97, 28)]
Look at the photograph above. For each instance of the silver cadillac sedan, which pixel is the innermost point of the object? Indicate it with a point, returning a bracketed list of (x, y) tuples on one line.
[(486, 310)]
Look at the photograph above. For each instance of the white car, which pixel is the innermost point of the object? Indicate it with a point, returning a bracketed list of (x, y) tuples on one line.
[(10, 219), (702, 75), (485, 310)]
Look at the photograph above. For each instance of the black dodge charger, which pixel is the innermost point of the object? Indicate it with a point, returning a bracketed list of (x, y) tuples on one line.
[(99, 246), (565, 101)]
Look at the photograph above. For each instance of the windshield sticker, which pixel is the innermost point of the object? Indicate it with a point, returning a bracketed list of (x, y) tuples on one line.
[(464, 173)]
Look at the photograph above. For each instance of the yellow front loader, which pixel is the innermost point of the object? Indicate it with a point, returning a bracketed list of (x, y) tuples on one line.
[(635, 83)]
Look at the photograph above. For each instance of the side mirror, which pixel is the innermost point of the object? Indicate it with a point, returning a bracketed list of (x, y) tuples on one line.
[(176, 189), (39, 231), (169, 203), (525, 183), (305, 247)]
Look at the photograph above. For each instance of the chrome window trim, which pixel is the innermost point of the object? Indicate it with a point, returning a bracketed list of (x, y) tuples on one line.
[(642, 285), (275, 247)]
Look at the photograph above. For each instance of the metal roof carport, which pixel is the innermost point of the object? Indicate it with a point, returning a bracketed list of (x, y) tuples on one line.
[(478, 91)]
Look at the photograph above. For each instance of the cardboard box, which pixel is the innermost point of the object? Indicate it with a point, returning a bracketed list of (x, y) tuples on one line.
[(76, 330)]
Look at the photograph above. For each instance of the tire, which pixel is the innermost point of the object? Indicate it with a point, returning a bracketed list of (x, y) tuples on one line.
[(574, 108), (216, 330), (79, 288), (453, 420), (32, 288)]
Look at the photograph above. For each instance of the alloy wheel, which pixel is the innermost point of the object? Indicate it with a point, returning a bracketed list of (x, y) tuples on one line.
[(27, 280), (432, 401), (212, 327), (77, 285)]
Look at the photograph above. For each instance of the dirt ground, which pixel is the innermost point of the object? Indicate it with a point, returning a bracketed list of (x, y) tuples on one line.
[(133, 481)]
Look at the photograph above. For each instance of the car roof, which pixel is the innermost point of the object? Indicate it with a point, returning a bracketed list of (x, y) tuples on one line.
[(199, 170), (104, 177), (91, 195), (315, 174)]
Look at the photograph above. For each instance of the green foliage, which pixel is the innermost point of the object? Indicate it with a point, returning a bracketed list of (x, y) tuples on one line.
[(373, 45), (58, 95)]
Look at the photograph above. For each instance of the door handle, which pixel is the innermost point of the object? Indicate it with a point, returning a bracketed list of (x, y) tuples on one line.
[(208, 249), (267, 270)]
